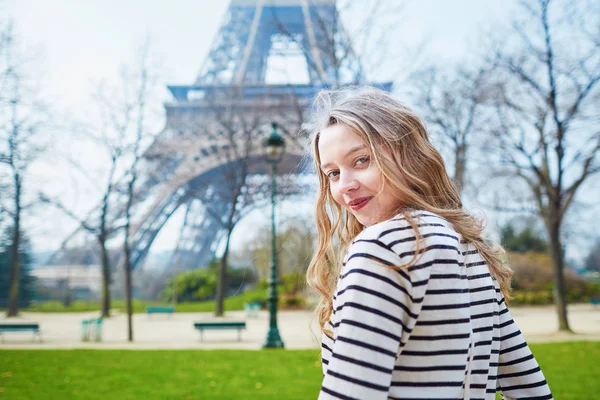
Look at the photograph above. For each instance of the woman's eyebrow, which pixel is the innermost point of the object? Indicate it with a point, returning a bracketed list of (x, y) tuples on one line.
[(352, 150)]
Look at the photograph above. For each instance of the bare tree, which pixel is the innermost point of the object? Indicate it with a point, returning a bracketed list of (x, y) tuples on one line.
[(21, 120), (547, 102), (234, 186), (453, 103), (101, 222), (231, 176), (295, 247), (123, 112), (143, 81)]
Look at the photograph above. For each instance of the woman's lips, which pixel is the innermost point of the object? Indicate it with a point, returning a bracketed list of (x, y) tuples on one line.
[(357, 204)]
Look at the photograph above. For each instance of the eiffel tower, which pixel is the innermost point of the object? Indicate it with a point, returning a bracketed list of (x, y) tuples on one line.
[(233, 80)]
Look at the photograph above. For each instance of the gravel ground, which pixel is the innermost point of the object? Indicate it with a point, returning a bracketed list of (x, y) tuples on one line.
[(158, 331)]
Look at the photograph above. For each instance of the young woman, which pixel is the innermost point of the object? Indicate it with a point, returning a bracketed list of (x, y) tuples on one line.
[(413, 307)]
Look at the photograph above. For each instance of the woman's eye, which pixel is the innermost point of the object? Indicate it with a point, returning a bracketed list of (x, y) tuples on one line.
[(362, 160), (332, 174)]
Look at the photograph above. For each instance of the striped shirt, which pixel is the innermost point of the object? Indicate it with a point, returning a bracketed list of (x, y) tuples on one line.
[(439, 329)]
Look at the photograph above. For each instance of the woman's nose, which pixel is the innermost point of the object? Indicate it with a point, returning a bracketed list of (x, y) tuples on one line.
[(347, 183)]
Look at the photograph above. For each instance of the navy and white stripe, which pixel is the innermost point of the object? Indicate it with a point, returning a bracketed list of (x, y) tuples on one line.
[(437, 330)]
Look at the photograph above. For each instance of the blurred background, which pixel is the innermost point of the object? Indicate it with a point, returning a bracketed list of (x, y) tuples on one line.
[(135, 177)]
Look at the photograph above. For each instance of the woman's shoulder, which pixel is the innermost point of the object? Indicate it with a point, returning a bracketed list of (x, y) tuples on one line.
[(395, 242), (403, 226)]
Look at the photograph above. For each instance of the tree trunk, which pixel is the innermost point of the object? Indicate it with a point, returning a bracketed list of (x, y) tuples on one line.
[(559, 289), (175, 288), (67, 298), (127, 264), (459, 167), (128, 290), (222, 277), (105, 279), (13, 298), (127, 251)]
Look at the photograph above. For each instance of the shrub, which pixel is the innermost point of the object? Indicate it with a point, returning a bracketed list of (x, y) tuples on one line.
[(293, 302), (293, 283)]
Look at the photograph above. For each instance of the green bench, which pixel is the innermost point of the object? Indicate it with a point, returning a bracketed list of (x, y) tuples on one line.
[(91, 327), (252, 309), (202, 326), (160, 310), (595, 301), (34, 328)]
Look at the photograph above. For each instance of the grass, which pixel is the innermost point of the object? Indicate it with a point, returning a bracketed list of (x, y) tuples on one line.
[(570, 368), (233, 303), (105, 374)]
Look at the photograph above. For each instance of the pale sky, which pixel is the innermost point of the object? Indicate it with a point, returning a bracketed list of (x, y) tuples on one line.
[(83, 42)]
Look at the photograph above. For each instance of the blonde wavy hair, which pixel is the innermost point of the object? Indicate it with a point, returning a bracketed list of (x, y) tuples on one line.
[(410, 165)]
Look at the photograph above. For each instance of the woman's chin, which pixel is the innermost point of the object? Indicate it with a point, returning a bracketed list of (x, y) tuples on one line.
[(371, 219), (366, 220)]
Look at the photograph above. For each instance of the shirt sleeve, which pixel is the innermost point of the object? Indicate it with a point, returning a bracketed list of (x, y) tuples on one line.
[(375, 307), (519, 375)]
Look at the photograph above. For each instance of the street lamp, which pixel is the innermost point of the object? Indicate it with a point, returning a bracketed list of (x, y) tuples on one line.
[(274, 147)]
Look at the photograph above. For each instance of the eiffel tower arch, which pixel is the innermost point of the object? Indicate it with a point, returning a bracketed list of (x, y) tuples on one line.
[(232, 93), (254, 29), (191, 153), (234, 77)]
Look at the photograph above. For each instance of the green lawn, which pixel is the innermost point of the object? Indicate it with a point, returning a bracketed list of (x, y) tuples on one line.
[(110, 374), (570, 368), (231, 304)]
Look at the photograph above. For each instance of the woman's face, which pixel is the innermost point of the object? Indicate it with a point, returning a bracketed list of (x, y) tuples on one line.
[(355, 181)]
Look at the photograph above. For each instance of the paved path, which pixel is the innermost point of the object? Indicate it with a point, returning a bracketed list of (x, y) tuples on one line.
[(63, 330)]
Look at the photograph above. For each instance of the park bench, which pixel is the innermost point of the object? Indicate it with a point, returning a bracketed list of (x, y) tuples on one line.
[(34, 328), (252, 309), (160, 310), (595, 301), (202, 326), (91, 327)]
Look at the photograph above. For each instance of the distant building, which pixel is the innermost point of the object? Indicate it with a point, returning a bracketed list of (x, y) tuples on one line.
[(84, 281)]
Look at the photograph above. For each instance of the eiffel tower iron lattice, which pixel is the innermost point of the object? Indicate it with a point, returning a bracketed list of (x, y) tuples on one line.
[(231, 103)]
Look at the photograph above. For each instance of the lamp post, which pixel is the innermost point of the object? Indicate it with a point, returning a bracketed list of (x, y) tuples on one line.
[(274, 147)]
